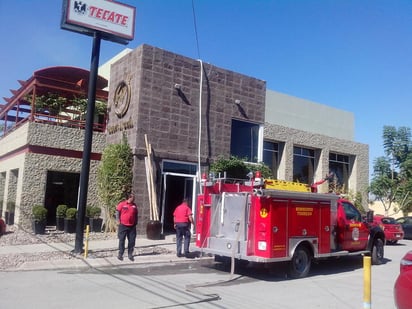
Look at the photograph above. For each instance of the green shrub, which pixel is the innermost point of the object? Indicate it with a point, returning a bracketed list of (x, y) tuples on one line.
[(89, 211), (61, 211), (71, 213), (39, 213), (11, 206), (237, 168), (95, 212), (114, 179)]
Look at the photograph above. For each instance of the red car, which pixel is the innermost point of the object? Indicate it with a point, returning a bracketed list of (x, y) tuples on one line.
[(392, 229), (403, 285), (2, 227)]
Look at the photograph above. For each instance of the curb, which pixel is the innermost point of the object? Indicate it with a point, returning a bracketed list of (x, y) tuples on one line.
[(79, 263)]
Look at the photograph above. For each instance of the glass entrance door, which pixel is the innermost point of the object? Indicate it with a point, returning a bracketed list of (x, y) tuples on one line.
[(178, 182)]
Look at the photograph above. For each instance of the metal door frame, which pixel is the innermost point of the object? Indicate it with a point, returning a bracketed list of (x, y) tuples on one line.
[(194, 177)]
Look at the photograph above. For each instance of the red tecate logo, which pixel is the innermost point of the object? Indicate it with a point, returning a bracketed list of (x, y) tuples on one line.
[(107, 15)]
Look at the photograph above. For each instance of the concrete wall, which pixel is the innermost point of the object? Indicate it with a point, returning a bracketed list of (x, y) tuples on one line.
[(300, 114)]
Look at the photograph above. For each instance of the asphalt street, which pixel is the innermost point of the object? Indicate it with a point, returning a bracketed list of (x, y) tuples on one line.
[(202, 283)]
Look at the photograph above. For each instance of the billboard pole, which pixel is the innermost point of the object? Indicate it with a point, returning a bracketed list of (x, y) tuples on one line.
[(108, 20), (87, 148)]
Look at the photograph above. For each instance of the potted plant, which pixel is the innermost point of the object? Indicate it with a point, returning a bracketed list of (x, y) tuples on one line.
[(2, 226), (70, 220), (95, 220), (10, 213), (1, 207), (39, 218), (60, 215), (88, 215)]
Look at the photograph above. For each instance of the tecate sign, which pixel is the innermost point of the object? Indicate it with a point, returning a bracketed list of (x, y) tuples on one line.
[(103, 15)]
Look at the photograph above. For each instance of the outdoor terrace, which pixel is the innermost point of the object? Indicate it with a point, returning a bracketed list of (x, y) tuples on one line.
[(57, 96)]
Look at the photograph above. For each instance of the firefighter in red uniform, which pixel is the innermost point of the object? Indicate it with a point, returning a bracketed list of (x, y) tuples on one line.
[(182, 217), (126, 217)]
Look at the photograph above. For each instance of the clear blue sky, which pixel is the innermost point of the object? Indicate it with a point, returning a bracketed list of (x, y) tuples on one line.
[(354, 55)]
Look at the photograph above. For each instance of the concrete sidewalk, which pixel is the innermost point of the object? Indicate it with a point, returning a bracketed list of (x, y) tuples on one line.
[(154, 251)]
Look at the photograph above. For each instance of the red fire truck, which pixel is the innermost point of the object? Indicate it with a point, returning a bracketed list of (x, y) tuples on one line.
[(267, 221)]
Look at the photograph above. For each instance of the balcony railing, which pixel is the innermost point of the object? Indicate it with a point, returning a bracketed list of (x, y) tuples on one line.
[(11, 123)]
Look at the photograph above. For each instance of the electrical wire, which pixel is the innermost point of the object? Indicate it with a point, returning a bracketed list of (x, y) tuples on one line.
[(200, 97), (195, 28)]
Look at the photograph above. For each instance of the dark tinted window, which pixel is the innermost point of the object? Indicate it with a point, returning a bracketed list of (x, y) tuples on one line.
[(271, 156), (351, 212), (303, 165), (244, 140), (388, 220), (339, 166)]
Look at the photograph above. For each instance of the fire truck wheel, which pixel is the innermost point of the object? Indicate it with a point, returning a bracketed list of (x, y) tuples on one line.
[(300, 263), (377, 252)]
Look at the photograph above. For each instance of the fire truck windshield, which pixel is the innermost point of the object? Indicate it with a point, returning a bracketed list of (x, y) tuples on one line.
[(351, 212)]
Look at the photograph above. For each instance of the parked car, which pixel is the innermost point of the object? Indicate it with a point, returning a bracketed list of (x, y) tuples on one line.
[(392, 229), (2, 227), (403, 284), (406, 223)]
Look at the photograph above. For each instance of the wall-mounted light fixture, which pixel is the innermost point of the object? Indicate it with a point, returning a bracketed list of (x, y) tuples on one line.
[(180, 93), (240, 108)]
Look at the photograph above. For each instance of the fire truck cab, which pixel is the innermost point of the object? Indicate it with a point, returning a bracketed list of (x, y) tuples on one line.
[(277, 221)]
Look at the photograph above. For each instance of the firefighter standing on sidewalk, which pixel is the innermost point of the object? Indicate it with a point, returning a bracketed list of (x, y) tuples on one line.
[(126, 216), (182, 217)]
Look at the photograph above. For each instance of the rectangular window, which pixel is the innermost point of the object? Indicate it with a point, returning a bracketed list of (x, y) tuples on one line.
[(179, 167), (339, 166), (271, 156), (244, 140), (303, 165)]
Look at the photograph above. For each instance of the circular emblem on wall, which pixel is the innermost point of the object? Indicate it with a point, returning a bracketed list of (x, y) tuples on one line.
[(121, 99)]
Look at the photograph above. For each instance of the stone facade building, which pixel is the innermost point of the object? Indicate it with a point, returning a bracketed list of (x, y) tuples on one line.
[(41, 149), (325, 132), (186, 127), (191, 113), (194, 112)]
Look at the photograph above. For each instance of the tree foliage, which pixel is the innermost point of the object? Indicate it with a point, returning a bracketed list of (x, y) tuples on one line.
[(356, 198), (392, 174), (115, 176)]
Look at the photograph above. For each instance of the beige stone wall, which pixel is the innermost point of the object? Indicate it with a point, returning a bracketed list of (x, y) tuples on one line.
[(62, 137), (379, 209), (14, 140), (32, 167)]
